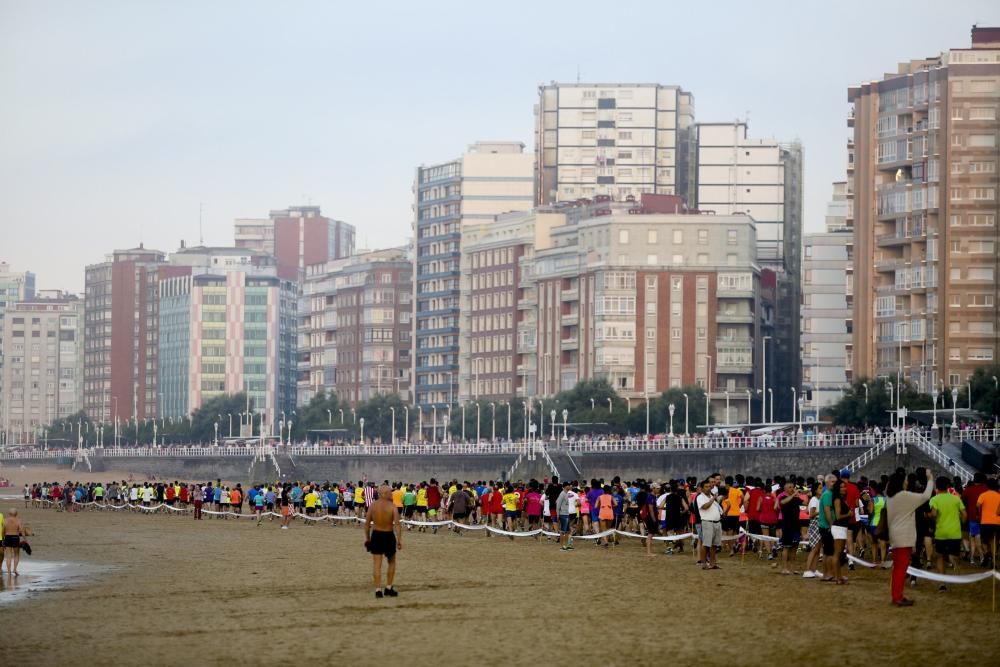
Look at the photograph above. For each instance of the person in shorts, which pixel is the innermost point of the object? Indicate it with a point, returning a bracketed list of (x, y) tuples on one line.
[(711, 525), (948, 513)]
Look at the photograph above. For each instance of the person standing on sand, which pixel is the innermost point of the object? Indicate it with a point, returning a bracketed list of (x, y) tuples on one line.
[(12, 532), (383, 537)]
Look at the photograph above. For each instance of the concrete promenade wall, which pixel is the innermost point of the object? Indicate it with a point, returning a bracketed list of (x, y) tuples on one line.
[(649, 465)]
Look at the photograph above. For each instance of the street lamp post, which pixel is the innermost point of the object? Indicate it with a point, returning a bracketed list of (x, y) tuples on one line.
[(493, 419), (341, 411), (565, 414), (647, 412), (611, 406), (686, 432), (463, 422), (508, 404), (478, 415), (954, 411), (770, 399), (230, 424), (434, 423), (934, 395), (892, 413), (281, 431), (727, 407), (670, 409), (216, 434), (591, 404), (290, 432), (749, 418), (393, 411), (970, 391), (329, 416), (801, 402), (354, 416), (362, 423), (763, 348), (552, 421), (406, 424)]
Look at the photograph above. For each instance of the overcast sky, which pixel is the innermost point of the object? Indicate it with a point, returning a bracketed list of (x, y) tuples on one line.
[(118, 118)]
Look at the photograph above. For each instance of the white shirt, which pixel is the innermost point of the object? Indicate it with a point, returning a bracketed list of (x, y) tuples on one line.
[(813, 504), (147, 494), (134, 493), (713, 513), (573, 498)]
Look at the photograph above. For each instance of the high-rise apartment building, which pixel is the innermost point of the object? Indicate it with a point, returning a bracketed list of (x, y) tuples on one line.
[(762, 179), (615, 139), (355, 327), (14, 286), (121, 346), (226, 325), (43, 371), (923, 181), (489, 179), (296, 237), (826, 306)]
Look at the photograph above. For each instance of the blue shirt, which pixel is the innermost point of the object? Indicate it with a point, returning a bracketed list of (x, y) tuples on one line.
[(258, 500), (218, 493)]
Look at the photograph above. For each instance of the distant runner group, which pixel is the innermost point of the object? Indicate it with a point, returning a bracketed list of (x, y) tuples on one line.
[(896, 521)]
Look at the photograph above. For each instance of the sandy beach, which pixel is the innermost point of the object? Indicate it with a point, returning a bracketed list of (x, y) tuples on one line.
[(166, 590)]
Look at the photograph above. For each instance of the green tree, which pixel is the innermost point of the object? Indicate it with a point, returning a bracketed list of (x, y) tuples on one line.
[(378, 415), (320, 418), (853, 410)]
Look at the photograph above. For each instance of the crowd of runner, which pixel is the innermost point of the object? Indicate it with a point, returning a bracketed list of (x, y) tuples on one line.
[(816, 521)]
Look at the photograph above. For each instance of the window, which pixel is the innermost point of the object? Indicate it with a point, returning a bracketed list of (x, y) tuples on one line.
[(678, 236), (983, 113), (978, 247), (623, 236), (957, 140), (980, 273), (982, 194), (953, 378), (702, 333), (676, 282), (675, 333), (624, 135), (955, 220), (954, 354), (980, 354), (678, 259), (675, 308), (652, 260), (731, 237), (980, 300), (702, 237), (955, 274), (651, 236), (955, 300)]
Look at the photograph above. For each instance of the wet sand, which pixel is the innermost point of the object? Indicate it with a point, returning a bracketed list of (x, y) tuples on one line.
[(175, 591)]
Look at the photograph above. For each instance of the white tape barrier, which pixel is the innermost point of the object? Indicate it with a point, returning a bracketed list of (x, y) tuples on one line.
[(934, 576)]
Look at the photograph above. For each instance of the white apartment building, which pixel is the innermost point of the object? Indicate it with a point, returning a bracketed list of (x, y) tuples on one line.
[(616, 139), (827, 296)]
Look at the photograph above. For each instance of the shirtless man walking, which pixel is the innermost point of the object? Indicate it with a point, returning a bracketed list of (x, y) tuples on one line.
[(12, 531), (383, 537)]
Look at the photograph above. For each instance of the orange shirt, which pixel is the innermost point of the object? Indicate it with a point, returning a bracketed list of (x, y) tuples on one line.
[(988, 503), (234, 497)]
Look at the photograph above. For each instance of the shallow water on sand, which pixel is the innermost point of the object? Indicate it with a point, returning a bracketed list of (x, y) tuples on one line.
[(39, 576)]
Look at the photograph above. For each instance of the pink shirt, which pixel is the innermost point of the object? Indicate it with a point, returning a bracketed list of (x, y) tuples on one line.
[(533, 503)]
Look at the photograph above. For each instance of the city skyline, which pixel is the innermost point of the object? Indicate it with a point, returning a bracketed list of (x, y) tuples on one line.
[(103, 152)]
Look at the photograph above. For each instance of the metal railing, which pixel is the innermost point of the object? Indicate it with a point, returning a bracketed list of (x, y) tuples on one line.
[(939, 457), (516, 448)]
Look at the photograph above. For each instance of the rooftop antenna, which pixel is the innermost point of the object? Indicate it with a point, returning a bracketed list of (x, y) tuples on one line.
[(201, 235), (578, 73)]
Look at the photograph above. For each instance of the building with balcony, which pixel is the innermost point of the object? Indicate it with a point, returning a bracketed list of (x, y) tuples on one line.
[(498, 300), (647, 301), (613, 139), (42, 377), (923, 206), (489, 179), (355, 327)]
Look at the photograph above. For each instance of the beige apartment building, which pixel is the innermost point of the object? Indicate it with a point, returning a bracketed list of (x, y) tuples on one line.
[(922, 188), (43, 370)]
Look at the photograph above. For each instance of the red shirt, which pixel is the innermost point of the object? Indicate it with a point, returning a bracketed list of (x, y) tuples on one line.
[(755, 494), (853, 495), (971, 495), (433, 497), (170, 493), (184, 494), (496, 502)]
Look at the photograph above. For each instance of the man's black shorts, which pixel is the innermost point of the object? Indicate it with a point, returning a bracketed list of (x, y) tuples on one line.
[(382, 543), (948, 547), (730, 523), (826, 537)]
